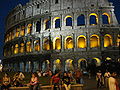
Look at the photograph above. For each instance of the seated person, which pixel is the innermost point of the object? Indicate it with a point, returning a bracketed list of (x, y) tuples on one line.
[(6, 82)]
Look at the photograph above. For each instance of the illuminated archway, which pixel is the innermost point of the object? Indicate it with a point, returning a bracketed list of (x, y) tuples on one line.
[(81, 20), (22, 48), (29, 29), (105, 18), (68, 20), (82, 64), (81, 41), (68, 42), (28, 47), (57, 43), (118, 40), (69, 65), (16, 49), (93, 19), (47, 23), (45, 65), (97, 61), (57, 65), (108, 58), (17, 32), (107, 40), (56, 22), (37, 45), (22, 32), (94, 41), (46, 44)]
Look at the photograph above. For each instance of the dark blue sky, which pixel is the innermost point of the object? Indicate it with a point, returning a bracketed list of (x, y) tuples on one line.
[(7, 5)]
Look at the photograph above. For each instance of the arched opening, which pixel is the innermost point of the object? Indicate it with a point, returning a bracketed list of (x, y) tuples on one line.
[(94, 41), (57, 22), (16, 49), (68, 42), (38, 26), (57, 43), (46, 44), (69, 65), (37, 45), (107, 40), (96, 61), (81, 20), (22, 33), (57, 65), (68, 20), (45, 65), (47, 24), (13, 35), (28, 47), (118, 40), (81, 41), (105, 18), (29, 29), (22, 48), (93, 19), (17, 32), (82, 64)]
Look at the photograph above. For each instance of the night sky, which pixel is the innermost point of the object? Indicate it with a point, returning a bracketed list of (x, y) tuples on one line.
[(7, 5)]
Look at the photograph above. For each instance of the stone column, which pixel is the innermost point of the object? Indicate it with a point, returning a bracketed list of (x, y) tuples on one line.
[(62, 43)]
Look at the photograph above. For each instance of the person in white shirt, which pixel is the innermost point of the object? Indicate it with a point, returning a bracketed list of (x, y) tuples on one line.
[(106, 77)]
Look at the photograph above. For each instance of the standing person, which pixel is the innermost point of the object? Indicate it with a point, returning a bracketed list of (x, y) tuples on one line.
[(55, 80), (78, 75), (6, 82), (106, 77), (66, 81), (112, 82), (99, 79), (34, 82)]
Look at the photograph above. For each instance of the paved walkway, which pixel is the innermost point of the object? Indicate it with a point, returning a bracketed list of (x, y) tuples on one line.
[(91, 84)]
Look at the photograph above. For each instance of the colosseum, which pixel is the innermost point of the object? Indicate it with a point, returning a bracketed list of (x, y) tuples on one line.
[(61, 35)]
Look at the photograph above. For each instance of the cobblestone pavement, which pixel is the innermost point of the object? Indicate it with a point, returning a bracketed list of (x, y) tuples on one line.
[(91, 84)]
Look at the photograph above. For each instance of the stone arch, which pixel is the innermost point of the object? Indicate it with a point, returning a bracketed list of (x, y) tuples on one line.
[(105, 18), (81, 41), (38, 26), (69, 65), (97, 61), (16, 49), (56, 65), (29, 46), (47, 24), (94, 41), (46, 44), (118, 40), (29, 29), (108, 58), (45, 65), (81, 20), (68, 20), (68, 42), (93, 19), (22, 47), (37, 45), (107, 40), (82, 64), (56, 22), (57, 43), (22, 32)]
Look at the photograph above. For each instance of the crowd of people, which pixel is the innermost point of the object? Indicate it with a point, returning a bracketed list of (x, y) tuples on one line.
[(59, 79), (108, 80)]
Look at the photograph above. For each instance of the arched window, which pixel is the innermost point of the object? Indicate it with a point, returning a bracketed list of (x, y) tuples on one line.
[(28, 47), (57, 23), (37, 45), (81, 43), (29, 29), (46, 44), (93, 19), (22, 48), (105, 18), (57, 43), (94, 41), (82, 64), (107, 40), (17, 32), (69, 65), (47, 24), (68, 21), (81, 20), (57, 65), (38, 26), (16, 49), (13, 35), (68, 42), (118, 40), (22, 33)]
